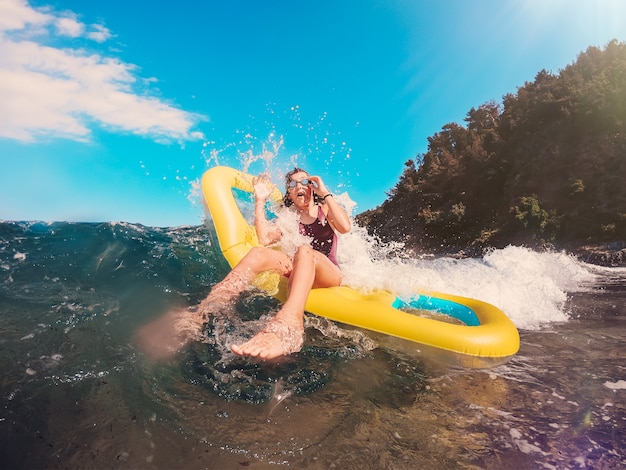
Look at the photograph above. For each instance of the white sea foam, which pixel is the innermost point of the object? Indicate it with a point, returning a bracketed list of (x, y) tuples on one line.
[(530, 287), (287, 221), (619, 385), (523, 445)]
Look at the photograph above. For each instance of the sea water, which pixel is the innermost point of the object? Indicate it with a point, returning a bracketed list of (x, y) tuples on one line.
[(77, 392)]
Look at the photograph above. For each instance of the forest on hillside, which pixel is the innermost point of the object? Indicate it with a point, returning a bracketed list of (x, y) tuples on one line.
[(545, 167)]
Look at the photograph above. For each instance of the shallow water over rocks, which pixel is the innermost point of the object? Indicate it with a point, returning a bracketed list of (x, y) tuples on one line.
[(77, 393)]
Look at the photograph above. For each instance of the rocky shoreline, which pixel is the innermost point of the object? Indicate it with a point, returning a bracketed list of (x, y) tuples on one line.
[(609, 254)]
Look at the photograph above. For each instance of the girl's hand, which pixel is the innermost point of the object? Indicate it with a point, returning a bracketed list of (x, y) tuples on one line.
[(335, 214), (263, 186), (319, 187)]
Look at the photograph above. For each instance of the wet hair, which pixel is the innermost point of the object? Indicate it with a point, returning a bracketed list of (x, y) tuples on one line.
[(286, 198)]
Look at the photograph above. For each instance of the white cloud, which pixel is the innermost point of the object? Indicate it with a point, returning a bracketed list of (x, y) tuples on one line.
[(99, 33), (70, 26), (15, 14), (61, 92)]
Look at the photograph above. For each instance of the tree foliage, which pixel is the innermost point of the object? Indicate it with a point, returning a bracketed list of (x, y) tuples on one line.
[(547, 165)]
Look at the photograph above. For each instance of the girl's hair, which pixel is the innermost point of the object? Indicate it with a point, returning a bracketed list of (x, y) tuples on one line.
[(286, 199)]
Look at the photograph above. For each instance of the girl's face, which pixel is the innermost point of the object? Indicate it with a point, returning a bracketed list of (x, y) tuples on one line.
[(300, 189)]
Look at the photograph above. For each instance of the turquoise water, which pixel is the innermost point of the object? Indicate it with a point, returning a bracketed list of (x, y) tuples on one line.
[(77, 392)]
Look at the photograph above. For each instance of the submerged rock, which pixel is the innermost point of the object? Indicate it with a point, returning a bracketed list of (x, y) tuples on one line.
[(609, 254)]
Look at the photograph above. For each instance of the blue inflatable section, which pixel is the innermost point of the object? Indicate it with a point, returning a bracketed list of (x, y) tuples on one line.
[(445, 307)]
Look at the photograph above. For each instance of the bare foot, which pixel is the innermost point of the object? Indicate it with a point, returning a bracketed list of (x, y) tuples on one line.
[(277, 339), (162, 338)]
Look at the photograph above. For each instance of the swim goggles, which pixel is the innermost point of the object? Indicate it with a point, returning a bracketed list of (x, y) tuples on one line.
[(304, 182)]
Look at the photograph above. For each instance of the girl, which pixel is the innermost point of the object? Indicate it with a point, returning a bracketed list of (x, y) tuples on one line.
[(313, 265)]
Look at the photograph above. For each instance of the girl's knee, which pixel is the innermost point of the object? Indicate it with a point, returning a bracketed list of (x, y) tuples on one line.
[(304, 251), (261, 258), (254, 258), (257, 252)]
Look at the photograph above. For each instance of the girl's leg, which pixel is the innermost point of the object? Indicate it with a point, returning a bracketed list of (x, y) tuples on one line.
[(258, 259), (284, 333), (162, 338)]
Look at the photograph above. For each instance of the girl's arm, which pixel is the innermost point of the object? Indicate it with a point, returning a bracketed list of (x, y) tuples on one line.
[(266, 232), (335, 214)]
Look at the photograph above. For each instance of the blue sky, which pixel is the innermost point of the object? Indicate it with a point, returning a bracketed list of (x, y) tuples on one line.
[(111, 110)]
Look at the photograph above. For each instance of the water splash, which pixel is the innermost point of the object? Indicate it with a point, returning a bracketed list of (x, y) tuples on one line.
[(530, 287), (282, 139), (280, 394)]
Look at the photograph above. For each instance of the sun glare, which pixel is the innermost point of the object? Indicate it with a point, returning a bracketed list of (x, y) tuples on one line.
[(595, 21)]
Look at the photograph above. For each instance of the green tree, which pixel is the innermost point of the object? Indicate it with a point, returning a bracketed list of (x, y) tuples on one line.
[(547, 164)]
